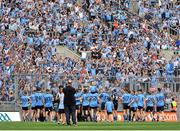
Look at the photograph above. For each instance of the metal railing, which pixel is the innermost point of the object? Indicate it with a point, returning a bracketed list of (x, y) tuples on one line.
[(43, 81)]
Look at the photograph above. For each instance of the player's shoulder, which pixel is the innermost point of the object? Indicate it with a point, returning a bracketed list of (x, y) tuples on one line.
[(80, 93), (157, 94), (123, 94), (131, 95)]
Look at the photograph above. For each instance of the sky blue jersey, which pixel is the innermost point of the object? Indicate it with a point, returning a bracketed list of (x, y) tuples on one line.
[(25, 101), (39, 99), (134, 98), (104, 97), (126, 98), (48, 99), (109, 106), (150, 100), (85, 99), (93, 97), (78, 98), (93, 88), (160, 99), (33, 100), (141, 99)]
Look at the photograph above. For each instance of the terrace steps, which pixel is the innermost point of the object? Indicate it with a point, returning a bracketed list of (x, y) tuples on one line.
[(65, 52)]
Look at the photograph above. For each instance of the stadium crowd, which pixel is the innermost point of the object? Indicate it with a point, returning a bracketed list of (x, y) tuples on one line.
[(163, 14), (123, 46)]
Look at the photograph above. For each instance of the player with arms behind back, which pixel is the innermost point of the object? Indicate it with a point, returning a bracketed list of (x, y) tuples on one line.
[(126, 99), (115, 98), (33, 105), (150, 103), (141, 104), (160, 102), (103, 99), (93, 103), (78, 102), (133, 106), (109, 109), (39, 103), (85, 105), (25, 105), (48, 100)]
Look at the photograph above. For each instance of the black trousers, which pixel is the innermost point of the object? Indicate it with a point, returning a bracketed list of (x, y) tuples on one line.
[(70, 110)]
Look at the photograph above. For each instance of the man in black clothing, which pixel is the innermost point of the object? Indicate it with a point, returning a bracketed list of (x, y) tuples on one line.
[(70, 103)]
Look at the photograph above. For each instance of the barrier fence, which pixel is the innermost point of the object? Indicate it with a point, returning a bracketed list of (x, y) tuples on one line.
[(52, 81)]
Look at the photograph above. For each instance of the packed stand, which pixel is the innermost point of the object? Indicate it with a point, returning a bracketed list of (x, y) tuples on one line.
[(163, 14), (123, 47)]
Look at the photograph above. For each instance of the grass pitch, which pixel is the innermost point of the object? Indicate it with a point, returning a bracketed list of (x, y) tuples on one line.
[(91, 126)]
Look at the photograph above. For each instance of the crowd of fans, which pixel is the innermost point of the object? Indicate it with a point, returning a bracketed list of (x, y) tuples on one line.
[(123, 46), (163, 14)]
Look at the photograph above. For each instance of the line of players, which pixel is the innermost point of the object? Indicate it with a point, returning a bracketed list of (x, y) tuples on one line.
[(90, 102), (135, 104)]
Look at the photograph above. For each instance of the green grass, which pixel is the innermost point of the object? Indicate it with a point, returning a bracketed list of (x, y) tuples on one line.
[(91, 126)]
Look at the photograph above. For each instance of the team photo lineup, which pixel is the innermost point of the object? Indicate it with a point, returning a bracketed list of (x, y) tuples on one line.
[(43, 106), (89, 64)]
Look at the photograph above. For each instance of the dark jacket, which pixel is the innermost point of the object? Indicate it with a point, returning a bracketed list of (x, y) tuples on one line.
[(69, 98)]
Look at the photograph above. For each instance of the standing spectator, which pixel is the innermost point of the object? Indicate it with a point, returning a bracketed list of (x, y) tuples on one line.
[(170, 71), (173, 105)]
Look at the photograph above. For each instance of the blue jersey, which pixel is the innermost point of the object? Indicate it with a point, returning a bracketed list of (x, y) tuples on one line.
[(104, 97), (25, 101), (33, 100), (134, 98), (150, 100), (160, 99), (39, 99), (109, 106), (78, 97), (85, 99), (93, 89), (126, 98), (48, 99), (93, 100), (141, 99)]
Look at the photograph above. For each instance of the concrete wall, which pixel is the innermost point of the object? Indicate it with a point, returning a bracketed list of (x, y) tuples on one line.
[(65, 52)]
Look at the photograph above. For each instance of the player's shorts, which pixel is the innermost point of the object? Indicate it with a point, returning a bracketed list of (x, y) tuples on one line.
[(93, 107), (109, 113), (33, 108), (55, 108), (39, 107), (116, 107), (25, 108), (78, 107), (61, 111), (48, 108), (149, 109), (161, 108), (85, 107), (134, 109), (125, 106), (140, 108), (102, 106)]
